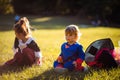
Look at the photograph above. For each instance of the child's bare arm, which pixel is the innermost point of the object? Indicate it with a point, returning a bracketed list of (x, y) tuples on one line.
[(38, 61), (60, 59)]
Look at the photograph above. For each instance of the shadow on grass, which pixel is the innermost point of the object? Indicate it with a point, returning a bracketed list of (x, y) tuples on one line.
[(47, 22), (51, 75), (6, 22), (55, 22), (4, 69), (42, 22)]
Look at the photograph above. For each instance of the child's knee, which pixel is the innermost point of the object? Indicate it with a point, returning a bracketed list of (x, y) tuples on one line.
[(69, 65), (56, 64)]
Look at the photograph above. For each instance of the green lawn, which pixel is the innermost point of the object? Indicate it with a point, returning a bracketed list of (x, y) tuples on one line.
[(49, 36)]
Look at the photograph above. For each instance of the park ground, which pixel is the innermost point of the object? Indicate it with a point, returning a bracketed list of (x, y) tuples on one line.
[(49, 34)]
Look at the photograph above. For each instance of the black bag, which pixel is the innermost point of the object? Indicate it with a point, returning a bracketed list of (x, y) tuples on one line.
[(105, 59), (99, 54)]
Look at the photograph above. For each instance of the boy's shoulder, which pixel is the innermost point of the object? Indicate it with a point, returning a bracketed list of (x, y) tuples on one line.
[(78, 44), (63, 44)]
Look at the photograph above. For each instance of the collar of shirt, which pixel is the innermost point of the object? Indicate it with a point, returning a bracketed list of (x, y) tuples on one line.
[(27, 42)]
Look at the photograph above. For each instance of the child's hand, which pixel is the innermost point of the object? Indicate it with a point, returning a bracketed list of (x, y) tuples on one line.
[(60, 60), (15, 50), (38, 61), (75, 64)]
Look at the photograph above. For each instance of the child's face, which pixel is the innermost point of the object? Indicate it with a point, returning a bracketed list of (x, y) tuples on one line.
[(70, 38), (19, 36)]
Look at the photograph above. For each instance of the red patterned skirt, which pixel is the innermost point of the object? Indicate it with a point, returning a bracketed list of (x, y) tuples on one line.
[(26, 58)]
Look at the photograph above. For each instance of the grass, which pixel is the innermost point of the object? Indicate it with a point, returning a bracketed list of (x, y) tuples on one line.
[(49, 36)]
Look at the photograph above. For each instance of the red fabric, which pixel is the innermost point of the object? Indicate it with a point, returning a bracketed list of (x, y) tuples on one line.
[(60, 65), (10, 62), (99, 52), (79, 66), (79, 61), (26, 58), (95, 64), (92, 63)]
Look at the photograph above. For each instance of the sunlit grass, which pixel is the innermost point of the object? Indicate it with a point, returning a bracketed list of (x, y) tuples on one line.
[(42, 19), (49, 42), (49, 36)]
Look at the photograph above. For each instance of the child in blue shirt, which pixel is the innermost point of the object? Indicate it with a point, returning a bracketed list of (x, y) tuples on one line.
[(72, 54)]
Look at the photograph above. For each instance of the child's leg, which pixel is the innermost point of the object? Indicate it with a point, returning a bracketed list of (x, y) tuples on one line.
[(58, 67), (10, 62), (28, 56), (18, 57), (69, 65), (14, 60), (56, 64), (79, 68)]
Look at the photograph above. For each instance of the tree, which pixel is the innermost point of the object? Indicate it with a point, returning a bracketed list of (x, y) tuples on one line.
[(6, 7)]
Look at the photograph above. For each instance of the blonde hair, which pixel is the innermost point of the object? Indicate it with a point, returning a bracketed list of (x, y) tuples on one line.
[(22, 26), (73, 30)]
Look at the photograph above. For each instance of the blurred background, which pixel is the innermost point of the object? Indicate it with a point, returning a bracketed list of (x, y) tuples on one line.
[(98, 12), (96, 19)]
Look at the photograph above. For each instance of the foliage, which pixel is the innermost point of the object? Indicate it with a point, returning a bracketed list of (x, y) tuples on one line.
[(103, 9), (5, 7)]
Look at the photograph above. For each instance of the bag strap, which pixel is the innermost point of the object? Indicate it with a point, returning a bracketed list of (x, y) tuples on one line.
[(100, 51)]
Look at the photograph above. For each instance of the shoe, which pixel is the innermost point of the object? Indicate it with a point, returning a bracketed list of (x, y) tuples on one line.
[(60, 70)]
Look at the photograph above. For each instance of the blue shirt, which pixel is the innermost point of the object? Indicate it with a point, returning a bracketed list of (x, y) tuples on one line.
[(72, 52)]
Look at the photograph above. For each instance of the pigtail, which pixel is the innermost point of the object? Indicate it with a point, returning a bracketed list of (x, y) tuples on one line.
[(27, 25), (22, 26), (21, 22)]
